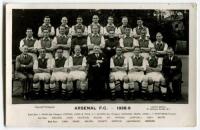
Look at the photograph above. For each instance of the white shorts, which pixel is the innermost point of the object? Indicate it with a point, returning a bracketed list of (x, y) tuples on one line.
[(65, 54), (136, 76), (156, 76), (144, 55), (42, 76), (128, 54), (77, 75), (60, 76), (119, 75)]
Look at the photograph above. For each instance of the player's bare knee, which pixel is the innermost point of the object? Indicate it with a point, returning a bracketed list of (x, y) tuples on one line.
[(126, 79), (150, 81), (52, 81), (46, 80), (112, 79), (35, 79)]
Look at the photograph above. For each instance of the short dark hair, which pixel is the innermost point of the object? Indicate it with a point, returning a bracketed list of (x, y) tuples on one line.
[(139, 18), (46, 17), (79, 17), (124, 17), (59, 48), (29, 29), (118, 47)]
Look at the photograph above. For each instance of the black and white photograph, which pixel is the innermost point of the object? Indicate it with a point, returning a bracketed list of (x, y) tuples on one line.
[(101, 58), (120, 56)]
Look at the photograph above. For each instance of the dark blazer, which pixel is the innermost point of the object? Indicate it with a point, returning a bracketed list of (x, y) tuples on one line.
[(167, 71), (95, 72)]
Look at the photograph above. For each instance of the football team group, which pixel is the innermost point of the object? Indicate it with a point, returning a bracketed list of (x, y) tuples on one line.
[(96, 62)]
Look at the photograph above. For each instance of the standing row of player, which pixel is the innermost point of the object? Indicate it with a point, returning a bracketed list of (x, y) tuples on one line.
[(72, 31)]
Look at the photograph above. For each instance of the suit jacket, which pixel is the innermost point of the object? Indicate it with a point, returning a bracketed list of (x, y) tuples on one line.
[(167, 71), (96, 72)]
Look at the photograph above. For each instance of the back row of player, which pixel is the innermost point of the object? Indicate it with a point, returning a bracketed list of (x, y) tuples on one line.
[(120, 31)]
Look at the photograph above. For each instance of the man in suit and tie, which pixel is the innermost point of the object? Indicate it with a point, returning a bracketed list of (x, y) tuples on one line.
[(171, 69), (96, 73)]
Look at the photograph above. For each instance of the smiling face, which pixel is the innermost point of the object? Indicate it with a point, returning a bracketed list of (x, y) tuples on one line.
[(153, 52), (47, 20), (136, 51), (118, 51), (62, 30)]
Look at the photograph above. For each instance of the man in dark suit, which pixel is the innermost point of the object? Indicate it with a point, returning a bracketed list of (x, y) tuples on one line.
[(172, 72), (96, 73)]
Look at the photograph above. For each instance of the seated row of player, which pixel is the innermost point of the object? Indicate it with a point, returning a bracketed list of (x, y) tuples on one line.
[(108, 45), (119, 31), (130, 70)]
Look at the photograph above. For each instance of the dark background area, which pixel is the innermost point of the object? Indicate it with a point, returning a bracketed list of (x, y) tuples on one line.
[(33, 18)]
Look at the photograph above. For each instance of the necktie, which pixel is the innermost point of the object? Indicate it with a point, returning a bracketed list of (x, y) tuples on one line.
[(170, 58), (46, 39), (97, 55)]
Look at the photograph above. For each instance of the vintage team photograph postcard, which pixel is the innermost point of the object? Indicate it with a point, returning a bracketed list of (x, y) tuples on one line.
[(100, 65)]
